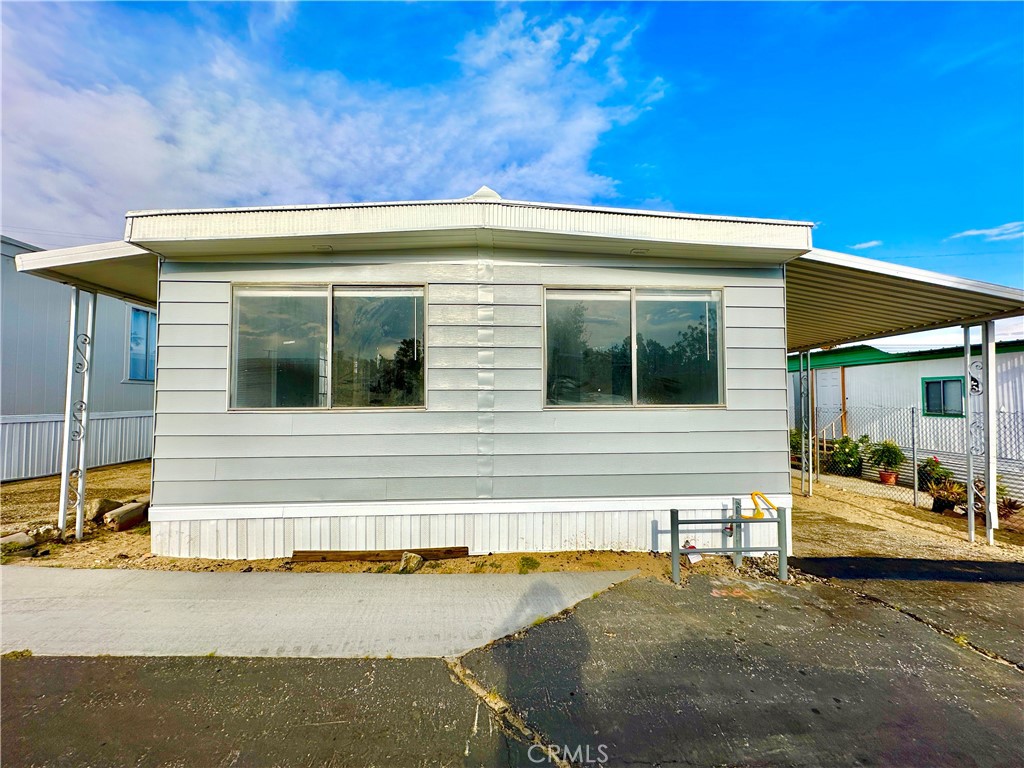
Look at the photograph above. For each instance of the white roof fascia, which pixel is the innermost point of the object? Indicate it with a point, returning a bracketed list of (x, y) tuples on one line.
[(469, 201), (159, 231), (80, 254)]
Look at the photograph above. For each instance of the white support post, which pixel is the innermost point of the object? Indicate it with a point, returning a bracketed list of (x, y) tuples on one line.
[(968, 436), (988, 362), (803, 425), (69, 401), (810, 427), (85, 367)]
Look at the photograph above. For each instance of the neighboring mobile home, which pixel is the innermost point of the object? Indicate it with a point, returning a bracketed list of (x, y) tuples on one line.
[(864, 390), (33, 362), (508, 376)]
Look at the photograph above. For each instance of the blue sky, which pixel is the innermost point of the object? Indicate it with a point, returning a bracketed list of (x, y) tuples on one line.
[(897, 128)]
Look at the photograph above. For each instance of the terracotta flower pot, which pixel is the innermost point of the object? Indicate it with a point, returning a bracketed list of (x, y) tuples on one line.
[(888, 478)]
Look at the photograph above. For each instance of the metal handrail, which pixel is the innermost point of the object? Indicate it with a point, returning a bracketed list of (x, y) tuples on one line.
[(737, 550)]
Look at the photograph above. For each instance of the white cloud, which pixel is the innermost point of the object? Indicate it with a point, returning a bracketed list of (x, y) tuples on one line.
[(84, 144), (1007, 329), (868, 244), (1013, 230)]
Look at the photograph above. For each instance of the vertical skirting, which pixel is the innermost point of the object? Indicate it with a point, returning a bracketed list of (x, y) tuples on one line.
[(31, 444), (258, 538)]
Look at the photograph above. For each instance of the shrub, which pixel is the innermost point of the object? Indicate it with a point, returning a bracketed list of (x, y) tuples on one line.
[(846, 458), (949, 490), (794, 442), (1008, 506), (886, 455), (931, 471), (527, 564)]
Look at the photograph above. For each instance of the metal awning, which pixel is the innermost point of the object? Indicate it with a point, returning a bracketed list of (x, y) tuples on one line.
[(835, 298), (117, 269)]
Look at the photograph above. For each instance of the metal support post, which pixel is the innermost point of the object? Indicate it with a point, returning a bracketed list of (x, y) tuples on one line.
[(674, 534), (737, 532), (85, 341), (988, 362), (800, 420), (810, 426), (968, 433), (783, 530), (913, 448), (69, 402)]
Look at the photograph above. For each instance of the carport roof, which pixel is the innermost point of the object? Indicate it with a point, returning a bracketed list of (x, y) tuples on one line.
[(831, 298)]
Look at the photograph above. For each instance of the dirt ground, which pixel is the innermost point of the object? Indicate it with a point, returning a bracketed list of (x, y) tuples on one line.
[(832, 523)]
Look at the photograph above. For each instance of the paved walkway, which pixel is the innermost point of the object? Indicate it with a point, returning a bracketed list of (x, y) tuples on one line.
[(53, 611)]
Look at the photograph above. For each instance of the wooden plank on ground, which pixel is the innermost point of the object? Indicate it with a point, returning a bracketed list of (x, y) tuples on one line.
[(375, 555)]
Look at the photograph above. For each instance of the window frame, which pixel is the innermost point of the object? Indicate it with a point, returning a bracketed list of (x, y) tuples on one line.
[(328, 289), (723, 390), (925, 380), (129, 310)]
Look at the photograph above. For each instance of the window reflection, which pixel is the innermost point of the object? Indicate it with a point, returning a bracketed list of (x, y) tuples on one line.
[(588, 339), (378, 347), (280, 347), (677, 348)]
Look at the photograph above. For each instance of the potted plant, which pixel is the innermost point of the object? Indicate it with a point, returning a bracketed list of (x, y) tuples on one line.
[(931, 471), (947, 494), (888, 457), (846, 458)]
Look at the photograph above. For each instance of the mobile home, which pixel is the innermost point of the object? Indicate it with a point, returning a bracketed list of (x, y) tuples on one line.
[(507, 376)]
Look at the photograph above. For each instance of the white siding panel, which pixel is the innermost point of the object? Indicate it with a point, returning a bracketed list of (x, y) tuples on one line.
[(31, 446), (765, 296), (193, 335), (201, 401), (744, 357), (468, 314), (192, 357), (756, 317), (192, 313), (192, 379), (625, 530), (195, 292)]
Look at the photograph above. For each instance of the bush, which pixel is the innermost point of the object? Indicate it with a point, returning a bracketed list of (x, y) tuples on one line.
[(846, 458), (948, 490), (794, 442), (886, 455), (931, 471)]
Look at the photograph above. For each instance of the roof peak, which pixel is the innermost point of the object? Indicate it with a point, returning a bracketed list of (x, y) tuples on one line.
[(484, 193)]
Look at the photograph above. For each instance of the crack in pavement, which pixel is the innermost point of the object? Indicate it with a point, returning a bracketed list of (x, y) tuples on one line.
[(510, 721), (960, 640)]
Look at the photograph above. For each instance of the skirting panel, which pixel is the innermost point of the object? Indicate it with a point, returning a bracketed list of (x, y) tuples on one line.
[(31, 445), (483, 532)]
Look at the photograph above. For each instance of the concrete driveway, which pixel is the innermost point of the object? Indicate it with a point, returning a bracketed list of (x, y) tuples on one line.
[(723, 671), (66, 612)]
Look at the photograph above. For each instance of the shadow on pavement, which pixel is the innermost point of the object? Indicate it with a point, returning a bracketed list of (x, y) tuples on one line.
[(909, 569)]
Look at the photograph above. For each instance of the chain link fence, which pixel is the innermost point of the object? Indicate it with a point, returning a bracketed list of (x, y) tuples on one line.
[(844, 441)]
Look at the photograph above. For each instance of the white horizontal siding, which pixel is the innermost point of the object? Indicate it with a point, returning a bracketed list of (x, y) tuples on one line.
[(485, 432)]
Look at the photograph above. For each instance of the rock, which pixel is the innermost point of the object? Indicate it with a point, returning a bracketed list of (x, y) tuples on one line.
[(44, 533), (95, 509), (126, 517), (411, 562), (16, 542)]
